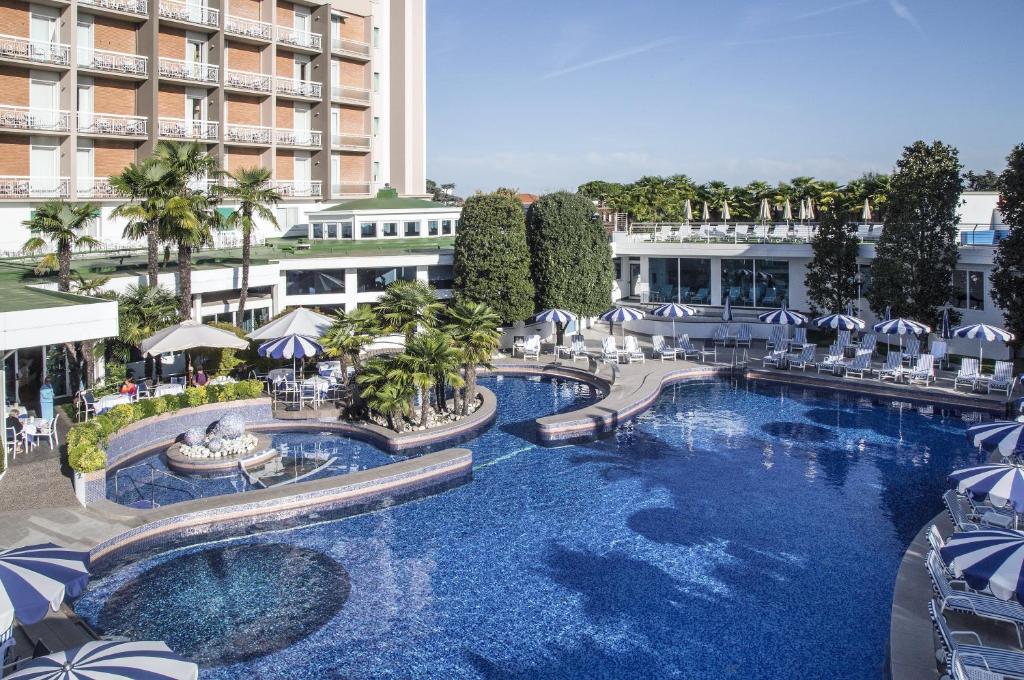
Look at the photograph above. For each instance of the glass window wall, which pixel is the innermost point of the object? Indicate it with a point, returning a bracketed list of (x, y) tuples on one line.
[(441, 276), (772, 287), (375, 280), (314, 281)]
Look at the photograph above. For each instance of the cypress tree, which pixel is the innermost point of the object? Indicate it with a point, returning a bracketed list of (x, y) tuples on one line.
[(1008, 273), (830, 275)]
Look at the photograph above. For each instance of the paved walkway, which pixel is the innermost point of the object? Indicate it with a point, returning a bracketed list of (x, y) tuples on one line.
[(39, 478)]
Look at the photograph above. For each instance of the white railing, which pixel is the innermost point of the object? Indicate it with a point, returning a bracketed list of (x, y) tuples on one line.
[(249, 28), (298, 137), (112, 62), (188, 70), (348, 46), (349, 188), (245, 80), (34, 187), (247, 134), (297, 188), (193, 14), (297, 38), (40, 51), (351, 142), (96, 187), (112, 124), (300, 88), (348, 93), (178, 128), (27, 118), (131, 6)]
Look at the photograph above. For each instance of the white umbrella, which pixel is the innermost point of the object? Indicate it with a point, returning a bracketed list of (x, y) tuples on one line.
[(810, 209), (687, 211), (787, 211), (803, 210), (865, 214), (725, 211), (766, 211), (190, 335), (706, 213), (299, 321)]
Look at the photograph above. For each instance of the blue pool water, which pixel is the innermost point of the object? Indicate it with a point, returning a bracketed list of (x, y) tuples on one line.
[(730, 531)]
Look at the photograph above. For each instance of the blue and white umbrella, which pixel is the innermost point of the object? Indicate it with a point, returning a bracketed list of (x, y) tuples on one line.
[(840, 322), (988, 558), (1004, 436), (104, 660), (727, 310), (36, 578), (982, 332), (620, 315), (555, 316), (1000, 484), (946, 332), (901, 327), (290, 347), (674, 311), (783, 317)]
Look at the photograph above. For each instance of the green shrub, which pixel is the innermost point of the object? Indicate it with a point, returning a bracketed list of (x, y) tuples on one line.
[(228, 392), (248, 389), (86, 457), (194, 396), (120, 416)]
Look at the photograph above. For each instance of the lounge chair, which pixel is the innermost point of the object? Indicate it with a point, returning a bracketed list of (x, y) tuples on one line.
[(832, 360), (687, 348), (859, 364), (940, 350), (800, 337), (577, 349), (775, 358), (969, 374), (843, 339), (721, 334), (774, 338), (743, 336), (632, 350), (956, 511), (969, 602), (701, 297), (804, 359), (892, 368), (661, 350), (609, 351), (868, 342), (1001, 380), (761, 232), (924, 371), (998, 662), (913, 350), (531, 348), (743, 232)]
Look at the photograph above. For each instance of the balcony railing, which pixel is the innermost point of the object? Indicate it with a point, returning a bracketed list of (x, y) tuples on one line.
[(299, 88), (95, 187), (112, 124), (27, 118), (247, 134), (350, 142), (140, 7), (354, 47), (297, 38), (38, 51), (244, 80), (248, 28), (112, 62), (349, 188), (188, 70), (309, 138), (348, 93), (34, 187), (193, 14), (297, 188), (177, 128)]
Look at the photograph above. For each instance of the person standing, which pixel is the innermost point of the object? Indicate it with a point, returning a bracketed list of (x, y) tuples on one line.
[(46, 399)]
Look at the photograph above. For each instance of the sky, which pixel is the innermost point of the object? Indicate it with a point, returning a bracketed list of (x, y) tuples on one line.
[(542, 95)]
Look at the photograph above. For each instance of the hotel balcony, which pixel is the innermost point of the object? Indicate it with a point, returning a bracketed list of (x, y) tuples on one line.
[(178, 128), (299, 40), (306, 139), (114, 63), (247, 134), (96, 187), (350, 95), (196, 72), (248, 29), (188, 14), (33, 187), (293, 87), (349, 189), (35, 52), (351, 48), (291, 188), (248, 82), (24, 118), (137, 9), (350, 142), (112, 125)]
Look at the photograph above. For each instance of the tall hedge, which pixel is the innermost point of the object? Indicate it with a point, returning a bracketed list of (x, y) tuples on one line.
[(570, 258), (1008, 274), (492, 262)]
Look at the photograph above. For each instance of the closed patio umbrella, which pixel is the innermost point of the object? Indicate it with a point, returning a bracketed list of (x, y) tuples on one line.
[(727, 310), (946, 332), (687, 211), (105, 660), (810, 209), (299, 321), (765, 214), (725, 211), (803, 210), (865, 214), (706, 214), (787, 211)]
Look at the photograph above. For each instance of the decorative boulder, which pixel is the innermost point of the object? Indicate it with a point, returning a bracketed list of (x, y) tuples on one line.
[(215, 445), (230, 427), (194, 436)]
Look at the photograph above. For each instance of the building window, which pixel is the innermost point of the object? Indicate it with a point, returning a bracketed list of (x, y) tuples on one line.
[(376, 82), (677, 279), (390, 229), (968, 289), (314, 281), (375, 280), (376, 125), (412, 228), (618, 268), (738, 282), (433, 227), (318, 230), (368, 230), (346, 230), (446, 227), (332, 231), (771, 284), (376, 36), (441, 276), (376, 171)]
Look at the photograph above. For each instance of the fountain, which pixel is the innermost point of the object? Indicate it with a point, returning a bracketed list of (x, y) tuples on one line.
[(219, 449)]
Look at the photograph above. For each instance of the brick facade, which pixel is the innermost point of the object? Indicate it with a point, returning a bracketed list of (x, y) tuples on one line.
[(243, 57), (116, 96), (243, 110), (355, 28), (355, 121), (112, 155), (243, 157), (14, 155), (171, 102), (284, 115), (14, 18), (285, 14), (284, 165), (355, 74), (246, 9), (355, 168), (13, 86), (115, 35), (172, 42)]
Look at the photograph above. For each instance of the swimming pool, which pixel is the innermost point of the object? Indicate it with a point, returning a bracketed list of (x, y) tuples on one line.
[(732, 530)]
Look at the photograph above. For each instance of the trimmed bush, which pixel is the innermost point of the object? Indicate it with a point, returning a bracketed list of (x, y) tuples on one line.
[(194, 396), (227, 392), (249, 389)]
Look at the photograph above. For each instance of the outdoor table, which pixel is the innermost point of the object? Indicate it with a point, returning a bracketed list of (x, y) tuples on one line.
[(997, 519), (175, 388), (279, 374), (222, 380), (104, 404)]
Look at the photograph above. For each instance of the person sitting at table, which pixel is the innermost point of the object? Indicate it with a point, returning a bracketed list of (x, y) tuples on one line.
[(200, 378), (129, 387), (14, 421)]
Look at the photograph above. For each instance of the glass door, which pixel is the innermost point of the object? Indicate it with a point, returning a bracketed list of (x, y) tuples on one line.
[(43, 100), (43, 33), (302, 173), (85, 166), (300, 123), (44, 164), (84, 33), (195, 56)]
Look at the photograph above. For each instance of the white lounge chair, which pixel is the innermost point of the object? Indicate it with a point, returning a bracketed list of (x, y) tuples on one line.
[(531, 348), (913, 350), (661, 350), (804, 358), (843, 339), (577, 349), (687, 348), (940, 350), (998, 662), (859, 364), (774, 358), (924, 371), (969, 374), (743, 336), (632, 350), (775, 338), (892, 368), (1001, 380), (967, 602), (609, 351), (832, 360)]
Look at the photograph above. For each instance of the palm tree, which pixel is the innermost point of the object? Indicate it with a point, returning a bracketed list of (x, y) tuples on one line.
[(429, 360), (142, 311), (59, 223), (255, 194), (474, 328), (385, 390), (349, 335), (92, 286), (407, 305)]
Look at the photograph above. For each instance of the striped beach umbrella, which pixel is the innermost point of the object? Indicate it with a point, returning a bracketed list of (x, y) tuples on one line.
[(982, 332), (947, 331), (727, 310), (988, 558), (783, 317), (1004, 436), (290, 347), (620, 315), (555, 316), (674, 311), (36, 578), (901, 327), (1000, 484), (839, 322), (110, 661)]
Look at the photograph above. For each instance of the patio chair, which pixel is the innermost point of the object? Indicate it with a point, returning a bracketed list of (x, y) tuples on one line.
[(969, 374), (685, 348), (913, 350), (760, 232), (632, 350), (998, 662), (831, 361), (577, 348), (774, 358), (1001, 380), (721, 334), (859, 364), (660, 349), (774, 338), (800, 337), (940, 350), (701, 297), (892, 368), (609, 351), (86, 405), (531, 348), (956, 511), (48, 429), (688, 348), (309, 393), (968, 602), (15, 442), (143, 390), (804, 358), (868, 342), (743, 336), (744, 232), (843, 339), (924, 371), (289, 394)]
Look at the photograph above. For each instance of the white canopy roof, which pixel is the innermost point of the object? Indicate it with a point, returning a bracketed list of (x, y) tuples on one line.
[(300, 321), (190, 335)]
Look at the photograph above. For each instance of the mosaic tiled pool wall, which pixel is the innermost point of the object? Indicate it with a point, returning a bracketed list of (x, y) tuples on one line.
[(316, 501)]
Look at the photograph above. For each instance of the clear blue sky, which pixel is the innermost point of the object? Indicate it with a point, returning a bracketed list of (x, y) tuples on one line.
[(546, 94)]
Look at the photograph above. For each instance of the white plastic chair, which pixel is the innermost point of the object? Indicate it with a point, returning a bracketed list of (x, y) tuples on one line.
[(632, 350), (660, 349)]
